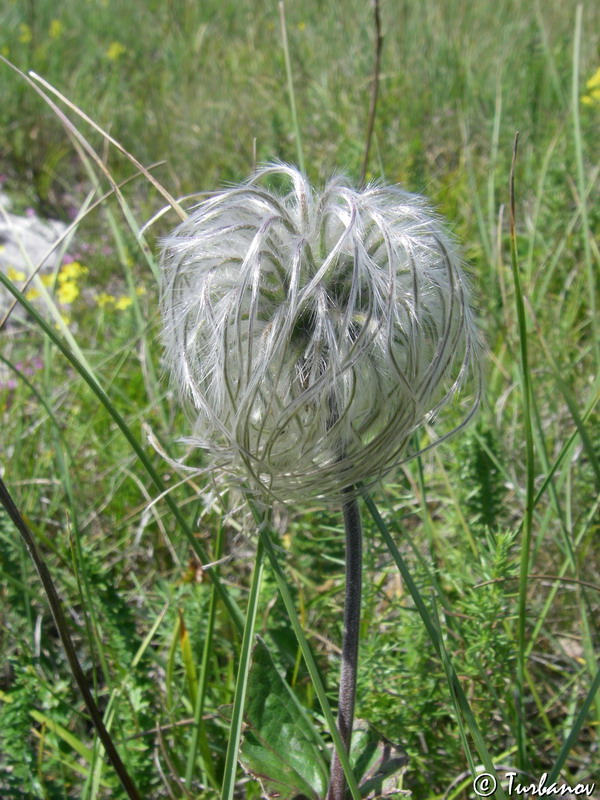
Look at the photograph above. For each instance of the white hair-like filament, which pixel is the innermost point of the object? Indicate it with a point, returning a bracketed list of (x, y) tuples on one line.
[(312, 333)]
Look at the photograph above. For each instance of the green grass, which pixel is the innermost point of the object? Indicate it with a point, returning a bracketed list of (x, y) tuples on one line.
[(486, 644)]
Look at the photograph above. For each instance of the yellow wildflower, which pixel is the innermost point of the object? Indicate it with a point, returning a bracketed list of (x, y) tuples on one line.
[(104, 299), (32, 294), (15, 274), (47, 280), (5, 51), (592, 98), (72, 271), (594, 81), (56, 28), (115, 50), (25, 33), (302, 26), (67, 292), (140, 291), (123, 302)]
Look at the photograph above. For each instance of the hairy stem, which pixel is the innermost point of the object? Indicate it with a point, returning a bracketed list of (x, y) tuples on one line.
[(347, 695)]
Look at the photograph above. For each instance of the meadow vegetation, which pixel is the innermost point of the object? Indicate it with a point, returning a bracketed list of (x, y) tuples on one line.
[(197, 92)]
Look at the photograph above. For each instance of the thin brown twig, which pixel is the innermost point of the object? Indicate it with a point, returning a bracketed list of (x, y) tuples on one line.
[(374, 88), (559, 578)]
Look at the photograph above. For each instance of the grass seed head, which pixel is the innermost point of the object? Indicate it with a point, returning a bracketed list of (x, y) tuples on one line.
[(313, 332)]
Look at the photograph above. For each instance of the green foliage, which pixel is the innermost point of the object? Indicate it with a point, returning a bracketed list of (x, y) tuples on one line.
[(196, 83), (24, 773), (403, 684), (483, 488), (17, 768), (281, 746)]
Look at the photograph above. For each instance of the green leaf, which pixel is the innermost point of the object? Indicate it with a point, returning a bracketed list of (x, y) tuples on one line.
[(281, 747), (378, 764), (69, 738)]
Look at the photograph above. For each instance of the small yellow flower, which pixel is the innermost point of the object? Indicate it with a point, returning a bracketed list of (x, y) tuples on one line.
[(140, 291), (56, 28), (104, 299), (594, 81), (67, 292), (47, 280), (32, 294), (25, 33), (123, 302), (302, 26), (592, 98), (5, 51), (115, 51), (72, 271), (15, 274)]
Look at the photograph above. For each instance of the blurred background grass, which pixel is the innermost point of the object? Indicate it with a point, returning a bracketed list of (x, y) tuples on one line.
[(194, 84)]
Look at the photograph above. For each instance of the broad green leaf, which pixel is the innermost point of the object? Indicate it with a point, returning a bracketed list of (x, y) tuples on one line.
[(284, 752), (378, 764), (281, 747)]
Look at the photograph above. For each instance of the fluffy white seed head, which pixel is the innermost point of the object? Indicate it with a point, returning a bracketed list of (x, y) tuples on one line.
[(313, 332)]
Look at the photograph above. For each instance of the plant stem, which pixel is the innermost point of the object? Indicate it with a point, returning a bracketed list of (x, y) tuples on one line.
[(347, 696), (292, 95), (241, 685), (309, 660), (374, 89)]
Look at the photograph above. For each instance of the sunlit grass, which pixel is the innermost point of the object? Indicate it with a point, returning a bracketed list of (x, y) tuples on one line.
[(84, 406)]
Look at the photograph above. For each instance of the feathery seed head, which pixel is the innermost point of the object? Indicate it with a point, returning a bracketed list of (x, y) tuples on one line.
[(313, 332)]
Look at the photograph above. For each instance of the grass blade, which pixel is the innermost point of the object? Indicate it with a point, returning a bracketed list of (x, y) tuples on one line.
[(309, 660), (581, 180), (574, 732), (524, 373), (135, 445), (434, 636), (291, 93), (241, 684)]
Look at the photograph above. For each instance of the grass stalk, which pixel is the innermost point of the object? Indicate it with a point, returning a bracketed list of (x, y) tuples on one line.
[(291, 92), (525, 378), (92, 382), (573, 734), (308, 658), (241, 685), (374, 89), (199, 739), (581, 181)]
